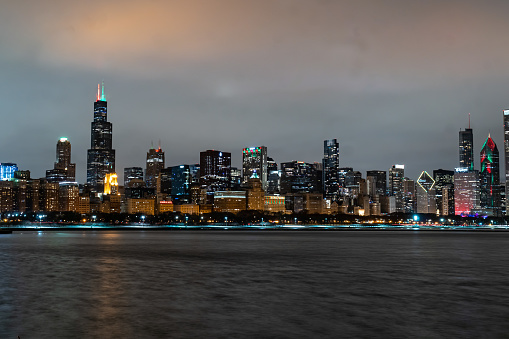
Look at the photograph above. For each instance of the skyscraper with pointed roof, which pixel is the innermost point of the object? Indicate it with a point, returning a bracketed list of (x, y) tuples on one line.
[(101, 155), (490, 178)]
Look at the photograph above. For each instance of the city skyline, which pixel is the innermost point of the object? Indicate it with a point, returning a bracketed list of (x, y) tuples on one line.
[(402, 77)]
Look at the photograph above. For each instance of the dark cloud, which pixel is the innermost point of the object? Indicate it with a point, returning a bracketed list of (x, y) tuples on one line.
[(393, 80)]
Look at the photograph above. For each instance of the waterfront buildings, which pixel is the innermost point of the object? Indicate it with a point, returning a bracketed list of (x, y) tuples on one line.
[(489, 177), (330, 168), (101, 155)]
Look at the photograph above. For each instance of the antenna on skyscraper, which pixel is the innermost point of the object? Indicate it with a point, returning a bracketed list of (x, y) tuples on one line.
[(469, 120), (159, 143)]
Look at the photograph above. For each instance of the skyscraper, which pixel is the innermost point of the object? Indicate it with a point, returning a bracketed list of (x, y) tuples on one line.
[(396, 176), (273, 176), (380, 182), (466, 147), (63, 169), (490, 178), (330, 164), (506, 154), (466, 191), (215, 172), (444, 186), (425, 194), (101, 155), (254, 159), (131, 173), (299, 177), (155, 163)]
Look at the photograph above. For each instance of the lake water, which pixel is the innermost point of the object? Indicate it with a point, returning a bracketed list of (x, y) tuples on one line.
[(254, 284)]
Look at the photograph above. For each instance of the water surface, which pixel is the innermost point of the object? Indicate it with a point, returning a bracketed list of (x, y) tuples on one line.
[(252, 284)]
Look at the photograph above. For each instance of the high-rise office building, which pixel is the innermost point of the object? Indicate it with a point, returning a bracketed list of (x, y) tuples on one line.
[(466, 147), (444, 188), (132, 173), (330, 168), (215, 172), (101, 155), (380, 182), (155, 163), (254, 159), (299, 177), (466, 192), (506, 154), (181, 184), (273, 176), (425, 194), (63, 170), (396, 176), (490, 178)]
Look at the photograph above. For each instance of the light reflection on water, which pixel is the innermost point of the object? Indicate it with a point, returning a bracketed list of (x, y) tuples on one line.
[(253, 284)]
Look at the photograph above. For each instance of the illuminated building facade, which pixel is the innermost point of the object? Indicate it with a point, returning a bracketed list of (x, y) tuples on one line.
[(396, 176), (255, 195), (230, 201), (466, 192), (110, 184), (330, 170), (7, 170), (254, 159), (101, 155), (155, 163), (409, 196), (68, 197), (425, 194), (506, 154), (490, 178)]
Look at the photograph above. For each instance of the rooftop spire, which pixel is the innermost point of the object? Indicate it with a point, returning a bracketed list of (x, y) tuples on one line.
[(468, 120), (103, 97)]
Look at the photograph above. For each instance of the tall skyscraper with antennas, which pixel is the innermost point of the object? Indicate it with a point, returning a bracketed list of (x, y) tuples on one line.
[(101, 155), (466, 147)]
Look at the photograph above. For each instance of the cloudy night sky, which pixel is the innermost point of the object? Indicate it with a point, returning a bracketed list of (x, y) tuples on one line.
[(392, 80)]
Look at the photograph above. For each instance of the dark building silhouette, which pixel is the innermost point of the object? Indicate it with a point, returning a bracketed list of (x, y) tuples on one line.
[(380, 182), (131, 173), (63, 169), (155, 163), (444, 189), (300, 177), (215, 172), (466, 147), (101, 155)]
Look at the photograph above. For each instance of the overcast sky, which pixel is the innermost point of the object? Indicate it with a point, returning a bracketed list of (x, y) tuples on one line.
[(393, 81)]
